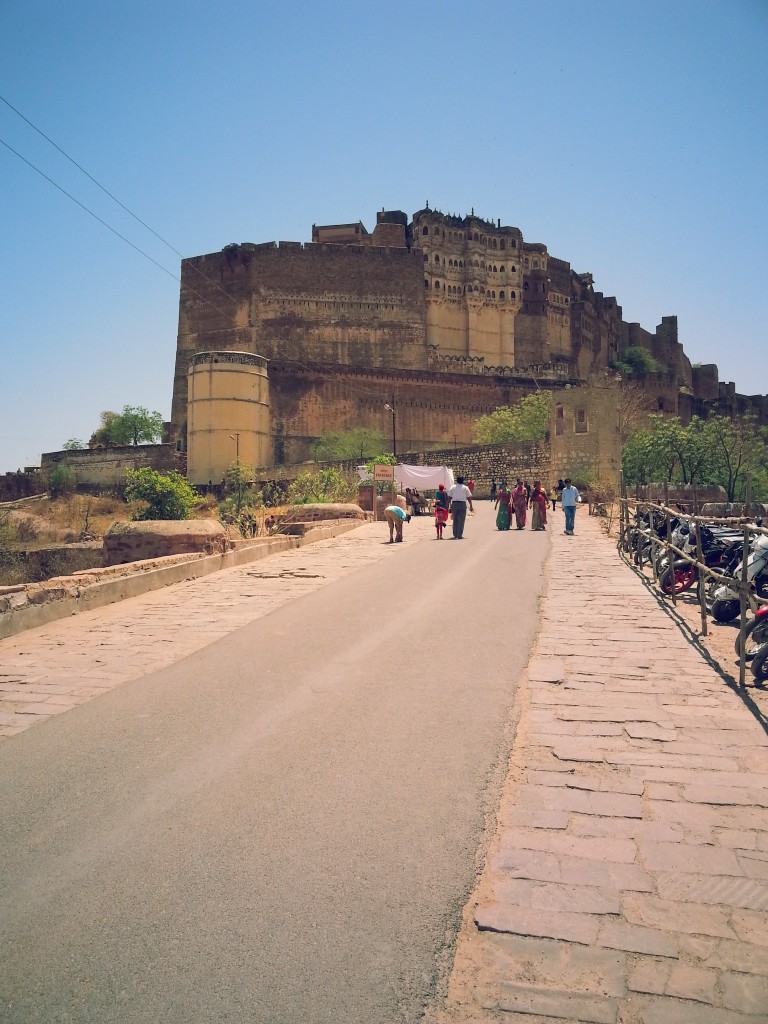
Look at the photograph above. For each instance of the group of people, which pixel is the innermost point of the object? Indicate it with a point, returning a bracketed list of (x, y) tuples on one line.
[(523, 497), (456, 500)]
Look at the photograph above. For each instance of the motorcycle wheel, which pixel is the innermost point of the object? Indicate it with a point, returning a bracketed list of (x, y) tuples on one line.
[(725, 609), (682, 579), (755, 637), (760, 666)]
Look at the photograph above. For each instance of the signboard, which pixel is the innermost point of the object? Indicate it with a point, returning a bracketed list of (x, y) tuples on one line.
[(383, 472)]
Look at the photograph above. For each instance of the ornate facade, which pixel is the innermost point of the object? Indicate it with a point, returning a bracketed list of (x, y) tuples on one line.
[(442, 318)]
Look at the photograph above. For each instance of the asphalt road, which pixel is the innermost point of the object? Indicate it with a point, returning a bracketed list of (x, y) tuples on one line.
[(285, 826)]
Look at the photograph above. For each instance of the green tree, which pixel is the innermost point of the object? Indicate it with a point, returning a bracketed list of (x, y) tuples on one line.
[(135, 425), (348, 445), (529, 420), (738, 447), (637, 360), (167, 495), (326, 485), (74, 444), (61, 481)]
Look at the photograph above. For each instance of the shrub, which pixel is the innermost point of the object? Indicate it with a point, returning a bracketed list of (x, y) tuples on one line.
[(167, 495), (61, 481), (325, 486)]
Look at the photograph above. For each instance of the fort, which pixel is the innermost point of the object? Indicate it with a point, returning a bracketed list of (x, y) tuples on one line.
[(440, 318)]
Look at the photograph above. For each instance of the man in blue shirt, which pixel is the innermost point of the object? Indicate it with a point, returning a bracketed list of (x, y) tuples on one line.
[(569, 500)]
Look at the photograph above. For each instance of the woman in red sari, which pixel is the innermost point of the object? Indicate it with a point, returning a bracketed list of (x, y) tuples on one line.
[(441, 510), (539, 504), (520, 504)]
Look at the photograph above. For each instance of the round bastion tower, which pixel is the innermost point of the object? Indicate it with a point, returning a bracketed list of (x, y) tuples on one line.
[(228, 418)]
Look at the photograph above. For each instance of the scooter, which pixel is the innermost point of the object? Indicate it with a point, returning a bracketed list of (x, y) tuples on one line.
[(725, 604)]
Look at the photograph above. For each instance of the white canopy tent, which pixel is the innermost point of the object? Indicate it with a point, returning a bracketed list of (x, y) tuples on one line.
[(423, 478)]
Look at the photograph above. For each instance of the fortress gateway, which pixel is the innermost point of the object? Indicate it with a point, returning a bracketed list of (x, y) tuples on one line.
[(441, 318)]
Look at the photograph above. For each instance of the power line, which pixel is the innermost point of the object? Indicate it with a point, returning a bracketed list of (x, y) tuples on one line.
[(122, 205), (83, 207), (109, 227)]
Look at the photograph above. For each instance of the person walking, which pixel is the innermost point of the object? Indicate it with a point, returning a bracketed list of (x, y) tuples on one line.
[(553, 497), (504, 514), (442, 501), (520, 503), (493, 489), (539, 505), (570, 498), (460, 496), (395, 517)]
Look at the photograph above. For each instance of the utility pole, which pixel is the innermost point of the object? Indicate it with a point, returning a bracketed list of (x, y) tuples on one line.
[(391, 407), (236, 439)]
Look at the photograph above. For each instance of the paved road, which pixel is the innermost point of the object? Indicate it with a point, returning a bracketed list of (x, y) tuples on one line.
[(283, 826)]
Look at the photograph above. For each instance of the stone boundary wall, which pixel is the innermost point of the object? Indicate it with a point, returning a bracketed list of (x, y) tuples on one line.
[(29, 605), (105, 467)]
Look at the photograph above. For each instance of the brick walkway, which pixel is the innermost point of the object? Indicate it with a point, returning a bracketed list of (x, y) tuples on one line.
[(628, 880), (50, 669)]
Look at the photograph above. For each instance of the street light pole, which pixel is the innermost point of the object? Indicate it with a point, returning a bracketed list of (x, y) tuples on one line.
[(236, 439), (391, 407)]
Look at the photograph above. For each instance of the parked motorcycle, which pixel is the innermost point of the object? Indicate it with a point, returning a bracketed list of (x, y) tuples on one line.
[(760, 665), (756, 635), (721, 549), (725, 603)]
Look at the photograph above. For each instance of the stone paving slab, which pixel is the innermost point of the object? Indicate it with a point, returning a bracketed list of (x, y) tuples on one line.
[(643, 840), (47, 670)]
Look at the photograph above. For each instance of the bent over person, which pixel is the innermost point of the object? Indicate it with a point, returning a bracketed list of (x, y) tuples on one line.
[(395, 517)]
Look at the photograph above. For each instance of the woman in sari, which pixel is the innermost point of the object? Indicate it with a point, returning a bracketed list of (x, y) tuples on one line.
[(504, 515), (441, 510), (539, 504), (520, 504)]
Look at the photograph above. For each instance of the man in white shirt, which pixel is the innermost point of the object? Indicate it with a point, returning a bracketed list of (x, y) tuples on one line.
[(460, 496), (569, 500)]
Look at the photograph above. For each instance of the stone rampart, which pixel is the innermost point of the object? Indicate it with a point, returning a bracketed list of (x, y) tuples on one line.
[(105, 468), (136, 541)]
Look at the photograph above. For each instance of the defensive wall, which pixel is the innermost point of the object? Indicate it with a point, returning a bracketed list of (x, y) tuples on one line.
[(416, 310), (104, 468)]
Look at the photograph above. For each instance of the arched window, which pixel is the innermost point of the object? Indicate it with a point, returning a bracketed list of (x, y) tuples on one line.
[(511, 295), (476, 288), (476, 263), (461, 263), (501, 295), (437, 286), (494, 243), (493, 295), (482, 239), (514, 270), (425, 231), (482, 290), (426, 283), (513, 243), (535, 264), (495, 271), (437, 259), (426, 257), (475, 238), (436, 231), (502, 244)]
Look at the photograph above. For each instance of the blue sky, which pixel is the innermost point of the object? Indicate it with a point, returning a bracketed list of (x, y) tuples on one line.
[(629, 137)]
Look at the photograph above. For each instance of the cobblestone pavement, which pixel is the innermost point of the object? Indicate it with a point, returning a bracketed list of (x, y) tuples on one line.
[(628, 880), (50, 669)]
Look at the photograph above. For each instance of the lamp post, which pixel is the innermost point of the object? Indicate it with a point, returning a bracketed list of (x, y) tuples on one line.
[(391, 407), (236, 439)]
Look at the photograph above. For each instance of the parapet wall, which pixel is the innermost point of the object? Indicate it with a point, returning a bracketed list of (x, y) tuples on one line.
[(106, 467)]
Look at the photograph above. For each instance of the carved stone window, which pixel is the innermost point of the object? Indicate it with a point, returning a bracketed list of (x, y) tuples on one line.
[(581, 421), (425, 231), (501, 295)]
